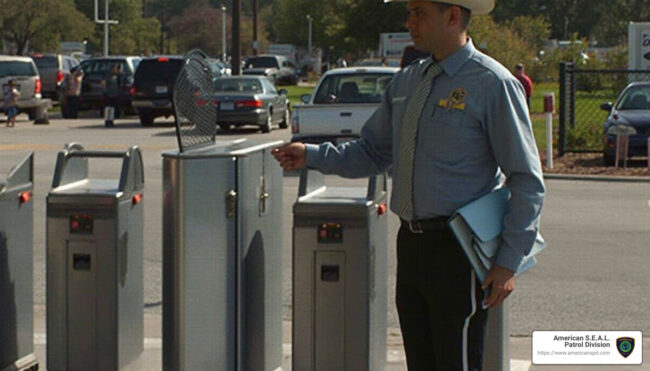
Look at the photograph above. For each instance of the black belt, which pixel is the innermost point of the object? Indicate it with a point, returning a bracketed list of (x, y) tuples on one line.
[(435, 224)]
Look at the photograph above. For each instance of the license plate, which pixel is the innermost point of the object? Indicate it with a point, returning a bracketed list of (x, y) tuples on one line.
[(161, 89), (227, 106)]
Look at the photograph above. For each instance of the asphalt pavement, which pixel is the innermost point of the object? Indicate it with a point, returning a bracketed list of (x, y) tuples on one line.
[(593, 275)]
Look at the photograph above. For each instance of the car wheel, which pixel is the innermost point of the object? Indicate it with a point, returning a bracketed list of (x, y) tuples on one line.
[(31, 114), (146, 120), (269, 123), (287, 118), (609, 160), (224, 127)]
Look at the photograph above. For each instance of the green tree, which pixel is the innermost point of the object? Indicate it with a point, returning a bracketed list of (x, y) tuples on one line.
[(134, 34), (42, 24), (533, 30), (500, 42)]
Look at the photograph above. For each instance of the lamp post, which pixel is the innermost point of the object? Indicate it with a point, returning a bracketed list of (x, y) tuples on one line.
[(223, 33)]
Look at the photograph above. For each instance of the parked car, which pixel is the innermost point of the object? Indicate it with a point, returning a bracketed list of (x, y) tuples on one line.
[(250, 100), (277, 68), (25, 73), (224, 68), (95, 72), (153, 87), (342, 102), (53, 70), (379, 62), (631, 115)]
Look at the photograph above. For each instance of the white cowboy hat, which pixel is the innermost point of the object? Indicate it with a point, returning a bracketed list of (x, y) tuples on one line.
[(476, 6)]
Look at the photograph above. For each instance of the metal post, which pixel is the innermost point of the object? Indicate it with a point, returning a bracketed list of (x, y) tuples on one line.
[(106, 23), (223, 33), (255, 42), (563, 109), (309, 19), (106, 29), (236, 45)]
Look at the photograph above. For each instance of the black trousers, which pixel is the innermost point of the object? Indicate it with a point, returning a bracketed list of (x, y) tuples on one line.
[(439, 303), (72, 106)]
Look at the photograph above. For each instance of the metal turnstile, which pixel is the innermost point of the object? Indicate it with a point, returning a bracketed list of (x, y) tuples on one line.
[(222, 258), (496, 354), (94, 263), (339, 276), (16, 269)]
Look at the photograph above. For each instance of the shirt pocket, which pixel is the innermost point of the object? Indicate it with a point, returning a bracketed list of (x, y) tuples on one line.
[(455, 136)]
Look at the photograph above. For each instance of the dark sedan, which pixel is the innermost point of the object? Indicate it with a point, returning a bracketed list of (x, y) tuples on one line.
[(629, 115), (251, 100)]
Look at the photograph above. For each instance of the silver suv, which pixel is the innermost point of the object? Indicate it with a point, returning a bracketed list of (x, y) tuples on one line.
[(53, 69), (24, 72)]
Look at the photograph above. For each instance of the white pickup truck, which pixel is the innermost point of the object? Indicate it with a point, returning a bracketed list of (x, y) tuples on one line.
[(342, 102)]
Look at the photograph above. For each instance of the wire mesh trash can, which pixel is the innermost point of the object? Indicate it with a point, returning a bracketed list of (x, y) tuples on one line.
[(339, 276), (94, 263), (222, 258), (16, 269)]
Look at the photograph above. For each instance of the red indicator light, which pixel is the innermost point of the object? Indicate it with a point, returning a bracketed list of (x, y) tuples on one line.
[(163, 59), (74, 224), (137, 198), (381, 209), (24, 197)]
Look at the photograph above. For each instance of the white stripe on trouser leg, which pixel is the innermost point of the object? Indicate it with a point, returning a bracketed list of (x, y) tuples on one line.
[(467, 320)]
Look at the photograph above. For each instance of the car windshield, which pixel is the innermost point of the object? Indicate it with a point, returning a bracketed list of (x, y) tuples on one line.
[(45, 62), (17, 68), (636, 98), (238, 85), (353, 88), (261, 62)]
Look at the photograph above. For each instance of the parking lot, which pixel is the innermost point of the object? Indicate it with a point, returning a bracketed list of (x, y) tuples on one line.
[(593, 276)]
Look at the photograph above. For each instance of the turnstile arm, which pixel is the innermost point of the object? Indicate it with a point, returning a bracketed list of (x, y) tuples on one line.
[(313, 181), (72, 166), (20, 175)]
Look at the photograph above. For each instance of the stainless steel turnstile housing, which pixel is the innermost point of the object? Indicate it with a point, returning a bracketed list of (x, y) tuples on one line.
[(94, 263), (222, 258), (16, 269), (339, 276)]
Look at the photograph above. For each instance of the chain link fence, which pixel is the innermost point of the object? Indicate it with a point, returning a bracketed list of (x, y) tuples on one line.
[(581, 94)]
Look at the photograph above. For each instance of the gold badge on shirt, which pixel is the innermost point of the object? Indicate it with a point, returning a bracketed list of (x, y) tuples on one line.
[(456, 100)]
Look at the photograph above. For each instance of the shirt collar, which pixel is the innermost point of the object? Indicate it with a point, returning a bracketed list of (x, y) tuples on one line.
[(455, 61)]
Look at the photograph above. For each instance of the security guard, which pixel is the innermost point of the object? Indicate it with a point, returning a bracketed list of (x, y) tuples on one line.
[(453, 127)]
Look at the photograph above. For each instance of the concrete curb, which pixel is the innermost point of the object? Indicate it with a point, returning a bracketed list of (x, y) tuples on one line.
[(599, 178)]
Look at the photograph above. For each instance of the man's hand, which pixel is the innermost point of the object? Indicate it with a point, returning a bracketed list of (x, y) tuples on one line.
[(291, 157), (502, 282)]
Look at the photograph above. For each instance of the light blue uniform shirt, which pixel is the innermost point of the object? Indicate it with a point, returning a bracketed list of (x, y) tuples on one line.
[(462, 153)]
